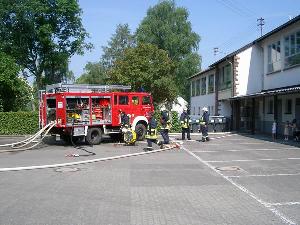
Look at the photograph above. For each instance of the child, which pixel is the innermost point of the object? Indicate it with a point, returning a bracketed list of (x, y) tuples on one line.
[(295, 130), (286, 130), (274, 130)]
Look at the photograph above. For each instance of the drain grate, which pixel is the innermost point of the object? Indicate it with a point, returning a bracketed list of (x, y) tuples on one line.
[(66, 169), (228, 168)]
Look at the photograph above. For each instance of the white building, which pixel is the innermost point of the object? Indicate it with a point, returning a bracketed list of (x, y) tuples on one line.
[(203, 92), (258, 83)]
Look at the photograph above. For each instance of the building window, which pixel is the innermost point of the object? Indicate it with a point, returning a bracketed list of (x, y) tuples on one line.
[(225, 78), (198, 87), (203, 86), (288, 106), (193, 88), (211, 83), (270, 107), (274, 62), (292, 50)]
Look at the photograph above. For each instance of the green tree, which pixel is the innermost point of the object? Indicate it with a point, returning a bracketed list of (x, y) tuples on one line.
[(94, 74), (15, 93), (167, 27), (42, 35), (119, 42), (147, 67)]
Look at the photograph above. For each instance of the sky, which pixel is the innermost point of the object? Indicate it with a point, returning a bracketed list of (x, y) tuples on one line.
[(226, 24)]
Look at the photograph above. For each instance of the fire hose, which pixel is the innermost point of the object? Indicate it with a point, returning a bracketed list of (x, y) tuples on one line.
[(88, 161), (17, 146)]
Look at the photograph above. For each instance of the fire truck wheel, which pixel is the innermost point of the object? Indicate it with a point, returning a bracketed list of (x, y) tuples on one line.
[(94, 136), (140, 130)]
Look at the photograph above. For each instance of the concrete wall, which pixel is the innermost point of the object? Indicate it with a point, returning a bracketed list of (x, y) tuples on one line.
[(249, 71), (198, 102)]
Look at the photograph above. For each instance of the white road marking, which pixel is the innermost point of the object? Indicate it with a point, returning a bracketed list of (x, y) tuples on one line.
[(266, 175), (249, 160), (81, 162), (242, 188), (283, 203), (251, 149)]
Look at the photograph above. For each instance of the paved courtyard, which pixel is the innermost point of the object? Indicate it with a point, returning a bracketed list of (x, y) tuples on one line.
[(233, 179)]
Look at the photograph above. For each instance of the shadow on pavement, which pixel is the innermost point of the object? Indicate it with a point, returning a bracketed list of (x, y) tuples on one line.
[(266, 137)]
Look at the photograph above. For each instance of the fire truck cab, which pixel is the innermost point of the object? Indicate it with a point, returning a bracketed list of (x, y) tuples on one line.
[(90, 111)]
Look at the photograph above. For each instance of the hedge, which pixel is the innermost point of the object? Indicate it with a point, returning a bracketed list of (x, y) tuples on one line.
[(12, 123)]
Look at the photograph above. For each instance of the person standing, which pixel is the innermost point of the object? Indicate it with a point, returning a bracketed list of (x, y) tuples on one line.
[(286, 130), (185, 124), (274, 125), (124, 119), (204, 120), (151, 134), (165, 126), (294, 130)]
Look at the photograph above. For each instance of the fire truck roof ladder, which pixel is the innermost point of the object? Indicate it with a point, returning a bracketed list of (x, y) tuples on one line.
[(87, 88)]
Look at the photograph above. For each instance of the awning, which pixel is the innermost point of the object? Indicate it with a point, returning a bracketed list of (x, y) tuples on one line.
[(276, 91)]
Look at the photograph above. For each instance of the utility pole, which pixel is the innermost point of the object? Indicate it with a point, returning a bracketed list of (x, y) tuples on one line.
[(216, 50), (261, 23)]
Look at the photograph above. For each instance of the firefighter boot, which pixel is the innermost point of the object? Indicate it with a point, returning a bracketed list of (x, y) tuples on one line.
[(203, 139), (207, 138), (148, 149)]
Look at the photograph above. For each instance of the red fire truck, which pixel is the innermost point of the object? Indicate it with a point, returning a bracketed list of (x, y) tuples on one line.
[(90, 111)]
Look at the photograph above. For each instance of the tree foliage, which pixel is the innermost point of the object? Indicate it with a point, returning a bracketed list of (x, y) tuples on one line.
[(147, 67), (94, 74), (119, 42), (167, 27), (42, 35), (15, 93)]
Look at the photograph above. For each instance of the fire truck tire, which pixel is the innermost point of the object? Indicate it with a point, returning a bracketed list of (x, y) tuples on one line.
[(94, 136), (140, 130)]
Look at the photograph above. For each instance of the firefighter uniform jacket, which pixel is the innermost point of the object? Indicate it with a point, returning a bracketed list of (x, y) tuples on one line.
[(165, 122), (204, 119), (152, 129), (124, 120), (185, 120)]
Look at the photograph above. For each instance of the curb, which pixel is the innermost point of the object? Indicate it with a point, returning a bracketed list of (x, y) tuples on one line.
[(13, 136)]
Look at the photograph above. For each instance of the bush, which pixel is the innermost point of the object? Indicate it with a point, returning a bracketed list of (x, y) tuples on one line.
[(12, 123)]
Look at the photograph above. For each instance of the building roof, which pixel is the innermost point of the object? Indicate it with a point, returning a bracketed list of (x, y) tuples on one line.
[(283, 26), (201, 72), (275, 91)]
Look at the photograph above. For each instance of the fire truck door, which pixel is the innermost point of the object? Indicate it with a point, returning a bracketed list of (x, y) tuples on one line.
[(147, 105), (135, 107), (122, 104)]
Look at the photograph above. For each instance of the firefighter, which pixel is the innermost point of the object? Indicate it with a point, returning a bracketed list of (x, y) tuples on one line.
[(204, 119), (125, 123), (185, 124), (165, 126), (151, 135), (129, 135)]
